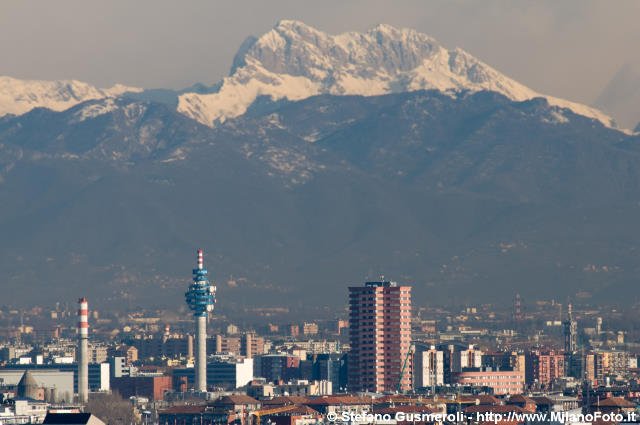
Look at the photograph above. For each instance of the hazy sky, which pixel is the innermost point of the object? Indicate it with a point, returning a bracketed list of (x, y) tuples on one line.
[(568, 48)]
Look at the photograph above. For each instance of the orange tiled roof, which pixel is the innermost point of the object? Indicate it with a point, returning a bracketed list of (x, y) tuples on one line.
[(519, 398), (482, 398), (300, 410), (614, 402)]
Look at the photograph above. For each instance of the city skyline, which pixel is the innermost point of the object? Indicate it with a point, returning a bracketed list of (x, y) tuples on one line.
[(418, 213)]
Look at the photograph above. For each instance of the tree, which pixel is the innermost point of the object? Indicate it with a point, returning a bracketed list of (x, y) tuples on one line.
[(112, 409)]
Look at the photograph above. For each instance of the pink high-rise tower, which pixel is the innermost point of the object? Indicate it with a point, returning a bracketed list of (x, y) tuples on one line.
[(380, 336)]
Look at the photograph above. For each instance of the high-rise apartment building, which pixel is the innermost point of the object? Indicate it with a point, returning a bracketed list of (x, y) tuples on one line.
[(570, 333), (457, 357), (428, 366), (97, 353), (543, 367), (310, 328), (600, 364), (380, 336)]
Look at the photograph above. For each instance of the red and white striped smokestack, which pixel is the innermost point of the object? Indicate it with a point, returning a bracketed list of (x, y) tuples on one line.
[(83, 355), (200, 260), (83, 318), (166, 329)]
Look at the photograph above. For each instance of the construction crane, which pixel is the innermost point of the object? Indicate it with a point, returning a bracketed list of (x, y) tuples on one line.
[(404, 366), (259, 413)]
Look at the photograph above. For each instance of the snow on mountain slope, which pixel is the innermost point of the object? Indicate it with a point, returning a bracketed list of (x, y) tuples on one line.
[(294, 61), (20, 96)]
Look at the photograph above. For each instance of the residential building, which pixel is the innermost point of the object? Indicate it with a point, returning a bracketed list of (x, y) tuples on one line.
[(543, 367), (428, 366), (380, 337), (251, 345), (457, 357), (310, 328), (500, 381), (275, 367)]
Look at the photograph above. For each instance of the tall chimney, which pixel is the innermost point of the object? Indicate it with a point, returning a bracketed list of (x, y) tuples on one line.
[(83, 345), (248, 342)]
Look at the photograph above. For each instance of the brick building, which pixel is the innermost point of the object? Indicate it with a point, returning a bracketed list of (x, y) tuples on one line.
[(152, 387)]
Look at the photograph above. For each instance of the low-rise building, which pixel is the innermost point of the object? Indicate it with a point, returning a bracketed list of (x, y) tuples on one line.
[(23, 411), (151, 387), (500, 381), (222, 371)]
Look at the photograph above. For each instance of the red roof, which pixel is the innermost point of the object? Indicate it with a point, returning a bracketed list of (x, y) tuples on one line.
[(488, 399), (482, 398), (519, 398), (613, 402), (299, 410)]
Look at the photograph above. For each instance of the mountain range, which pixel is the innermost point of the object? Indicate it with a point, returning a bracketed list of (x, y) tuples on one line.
[(621, 96), (321, 161), (294, 61)]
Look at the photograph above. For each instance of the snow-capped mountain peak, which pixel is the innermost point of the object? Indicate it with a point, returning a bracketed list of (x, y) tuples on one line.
[(20, 96), (294, 61)]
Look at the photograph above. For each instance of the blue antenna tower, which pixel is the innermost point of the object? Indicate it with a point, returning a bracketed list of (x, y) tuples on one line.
[(200, 298)]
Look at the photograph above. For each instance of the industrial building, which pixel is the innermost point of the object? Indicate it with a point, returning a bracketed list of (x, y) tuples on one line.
[(46, 379), (222, 371), (98, 373)]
